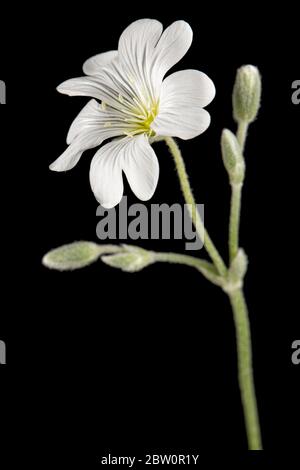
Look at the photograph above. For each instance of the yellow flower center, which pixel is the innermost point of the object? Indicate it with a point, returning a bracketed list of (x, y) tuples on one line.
[(138, 115), (141, 119)]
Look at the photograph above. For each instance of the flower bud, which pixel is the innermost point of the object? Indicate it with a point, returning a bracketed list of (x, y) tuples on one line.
[(75, 255), (232, 157), (246, 94), (131, 259)]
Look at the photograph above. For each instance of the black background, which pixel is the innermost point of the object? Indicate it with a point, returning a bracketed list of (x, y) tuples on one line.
[(102, 361)]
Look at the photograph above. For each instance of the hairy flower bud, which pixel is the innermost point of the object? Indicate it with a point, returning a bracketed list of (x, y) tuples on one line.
[(232, 157), (132, 259), (246, 94), (75, 255)]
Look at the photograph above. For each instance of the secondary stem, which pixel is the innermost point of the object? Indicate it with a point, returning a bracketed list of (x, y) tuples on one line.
[(245, 371), (207, 269), (189, 199), (234, 222), (236, 196), (178, 258)]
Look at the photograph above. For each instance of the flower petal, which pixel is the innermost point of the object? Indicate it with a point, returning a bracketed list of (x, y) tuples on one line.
[(187, 88), (93, 118), (134, 40), (98, 87), (81, 86), (172, 46), (183, 95), (136, 157), (72, 154), (106, 174), (87, 117), (141, 167), (186, 126), (94, 64), (136, 51), (67, 160), (89, 129)]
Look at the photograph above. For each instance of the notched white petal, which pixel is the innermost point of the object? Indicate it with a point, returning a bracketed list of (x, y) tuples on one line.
[(186, 125), (72, 154), (141, 167), (95, 64), (187, 88), (86, 119), (136, 158), (106, 174), (138, 35), (82, 86), (136, 51), (183, 96), (172, 46), (67, 160)]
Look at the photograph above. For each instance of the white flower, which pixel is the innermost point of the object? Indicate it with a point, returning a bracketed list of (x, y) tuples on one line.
[(136, 105)]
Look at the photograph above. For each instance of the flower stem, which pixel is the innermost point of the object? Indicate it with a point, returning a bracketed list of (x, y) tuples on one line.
[(207, 269), (242, 133), (245, 372), (236, 296), (236, 197), (178, 258), (189, 199), (234, 222)]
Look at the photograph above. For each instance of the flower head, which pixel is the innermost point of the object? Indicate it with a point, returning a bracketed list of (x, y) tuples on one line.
[(135, 103)]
